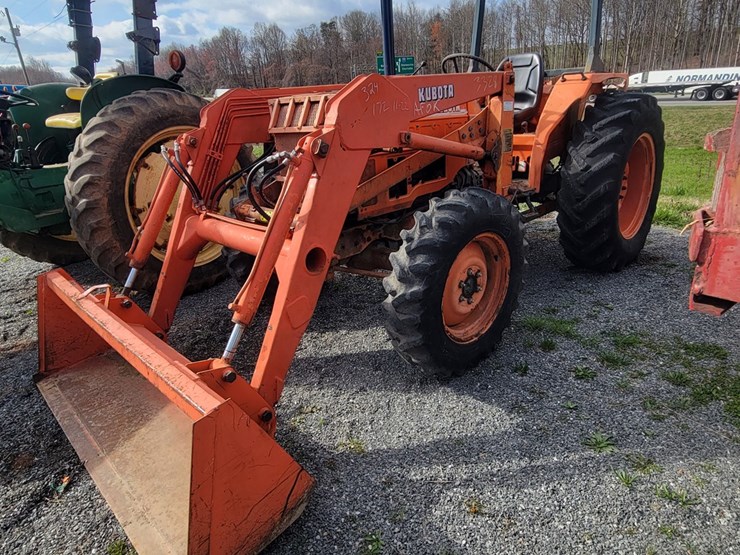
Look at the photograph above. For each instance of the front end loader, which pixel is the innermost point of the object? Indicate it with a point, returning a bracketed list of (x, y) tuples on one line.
[(425, 181)]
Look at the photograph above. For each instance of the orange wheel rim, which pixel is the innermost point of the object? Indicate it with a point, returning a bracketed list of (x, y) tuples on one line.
[(475, 288), (637, 186)]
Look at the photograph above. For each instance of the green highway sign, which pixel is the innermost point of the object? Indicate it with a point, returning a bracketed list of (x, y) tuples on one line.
[(405, 65)]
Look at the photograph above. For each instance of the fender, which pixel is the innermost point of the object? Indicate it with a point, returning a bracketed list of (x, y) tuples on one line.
[(105, 91)]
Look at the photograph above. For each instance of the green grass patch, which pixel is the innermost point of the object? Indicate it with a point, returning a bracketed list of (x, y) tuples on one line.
[(625, 477), (372, 544), (564, 327), (600, 443), (353, 445), (625, 341), (677, 378), (688, 172), (120, 547), (615, 360), (642, 464), (679, 496), (583, 373), (548, 345), (687, 126), (521, 368)]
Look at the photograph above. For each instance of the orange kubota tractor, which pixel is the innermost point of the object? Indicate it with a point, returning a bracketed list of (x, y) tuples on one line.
[(418, 179)]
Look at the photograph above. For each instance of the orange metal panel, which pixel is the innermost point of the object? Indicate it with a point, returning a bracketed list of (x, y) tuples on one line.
[(563, 107), (180, 456)]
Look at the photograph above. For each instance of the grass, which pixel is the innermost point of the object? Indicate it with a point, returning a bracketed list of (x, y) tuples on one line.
[(625, 477), (600, 443), (680, 496), (642, 464), (521, 368), (120, 547), (626, 341), (548, 345), (570, 405), (583, 373), (615, 360), (688, 173), (353, 445), (372, 544), (668, 531), (564, 327), (677, 378)]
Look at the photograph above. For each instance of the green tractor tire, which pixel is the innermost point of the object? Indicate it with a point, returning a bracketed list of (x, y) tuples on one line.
[(59, 250), (114, 170)]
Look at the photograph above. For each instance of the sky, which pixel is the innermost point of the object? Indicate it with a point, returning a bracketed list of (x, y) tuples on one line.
[(45, 27)]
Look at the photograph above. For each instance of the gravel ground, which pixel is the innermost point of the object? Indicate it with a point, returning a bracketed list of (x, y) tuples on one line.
[(493, 462)]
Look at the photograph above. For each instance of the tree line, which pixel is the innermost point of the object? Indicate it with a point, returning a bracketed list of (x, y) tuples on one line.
[(636, 36)]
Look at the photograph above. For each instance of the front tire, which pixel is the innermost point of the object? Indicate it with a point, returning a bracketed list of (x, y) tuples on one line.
[(113, 172), (610, 181), (455, 281)]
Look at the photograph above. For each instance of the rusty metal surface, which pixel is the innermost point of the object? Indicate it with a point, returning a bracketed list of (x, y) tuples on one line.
[(715, 236), (133, 441)]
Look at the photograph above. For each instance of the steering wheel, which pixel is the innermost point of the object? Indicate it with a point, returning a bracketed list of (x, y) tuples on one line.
[(24, 100), (454, 57)]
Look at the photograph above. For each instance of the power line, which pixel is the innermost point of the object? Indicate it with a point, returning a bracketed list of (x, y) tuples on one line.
[(54, 20)]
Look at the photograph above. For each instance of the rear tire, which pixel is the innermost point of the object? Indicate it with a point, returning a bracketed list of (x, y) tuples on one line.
[(701, 94), (43, 248), (455, 281), (104, 208), (611, 181), (721, 93)]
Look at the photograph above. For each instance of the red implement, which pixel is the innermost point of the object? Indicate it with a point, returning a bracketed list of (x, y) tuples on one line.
[(715, 235)]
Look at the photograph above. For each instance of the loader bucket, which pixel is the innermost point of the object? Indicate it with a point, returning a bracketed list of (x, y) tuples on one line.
[(183, 467)]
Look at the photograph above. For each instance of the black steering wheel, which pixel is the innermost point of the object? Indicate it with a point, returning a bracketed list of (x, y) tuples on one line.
[(24, 100), (454, 57)]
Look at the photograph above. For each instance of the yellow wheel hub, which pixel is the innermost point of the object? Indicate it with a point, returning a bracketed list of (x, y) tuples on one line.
[(141, 182)]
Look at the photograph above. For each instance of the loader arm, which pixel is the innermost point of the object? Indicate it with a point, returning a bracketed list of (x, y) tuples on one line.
[(234, 489)]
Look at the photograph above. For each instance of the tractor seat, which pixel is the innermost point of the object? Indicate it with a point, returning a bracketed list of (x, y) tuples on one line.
[(106, 75), (529, 76), (71, 120), (76, 93)]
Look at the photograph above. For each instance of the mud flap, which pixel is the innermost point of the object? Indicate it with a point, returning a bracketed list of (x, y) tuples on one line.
[(184, 469)]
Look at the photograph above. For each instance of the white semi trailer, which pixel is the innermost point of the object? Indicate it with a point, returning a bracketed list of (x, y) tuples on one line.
[(718, 83)]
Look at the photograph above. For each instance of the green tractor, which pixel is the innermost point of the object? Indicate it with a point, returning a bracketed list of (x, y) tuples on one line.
[(40, 125)]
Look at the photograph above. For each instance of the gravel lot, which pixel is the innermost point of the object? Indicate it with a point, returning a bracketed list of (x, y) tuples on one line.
[(493, 462)]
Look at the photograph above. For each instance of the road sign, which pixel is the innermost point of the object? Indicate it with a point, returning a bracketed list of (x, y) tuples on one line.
[(405, 65)]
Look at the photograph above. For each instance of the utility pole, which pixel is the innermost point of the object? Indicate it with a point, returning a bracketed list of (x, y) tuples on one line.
[(15, 33)]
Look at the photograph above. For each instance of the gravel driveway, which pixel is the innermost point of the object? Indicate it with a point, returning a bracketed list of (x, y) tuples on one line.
[(604, 423)]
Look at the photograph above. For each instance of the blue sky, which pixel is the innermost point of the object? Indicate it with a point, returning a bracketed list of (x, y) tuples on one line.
[(45, 30)]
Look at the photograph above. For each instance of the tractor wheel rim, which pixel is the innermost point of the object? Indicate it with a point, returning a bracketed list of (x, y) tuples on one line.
[(476, 288), (637, 186), (142, 179), (69, 237)]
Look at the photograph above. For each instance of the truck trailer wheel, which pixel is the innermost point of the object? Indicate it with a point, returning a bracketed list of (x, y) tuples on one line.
[(59, 250), (721, 93), (610, 181), (701, 94), (113, 172), (455, 281)]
